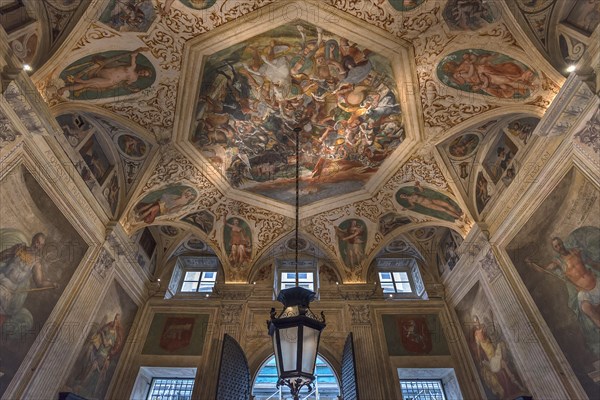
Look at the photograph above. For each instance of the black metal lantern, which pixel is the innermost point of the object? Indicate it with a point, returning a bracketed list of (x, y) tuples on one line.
[(297, 330), (296, 333)]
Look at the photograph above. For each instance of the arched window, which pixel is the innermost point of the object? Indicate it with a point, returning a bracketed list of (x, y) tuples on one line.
[(325, 387)]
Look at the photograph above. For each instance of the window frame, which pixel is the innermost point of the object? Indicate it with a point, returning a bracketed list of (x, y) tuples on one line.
[(156, 378), (436, 380), (287, 265), (408, 266), (185, 264)]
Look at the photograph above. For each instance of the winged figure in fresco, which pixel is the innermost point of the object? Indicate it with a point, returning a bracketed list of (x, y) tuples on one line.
[(20, 266)]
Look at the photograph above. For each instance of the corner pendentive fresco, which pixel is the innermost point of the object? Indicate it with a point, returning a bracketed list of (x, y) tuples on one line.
[(94, 367), (557, 256), (493, 359), (343, 97), (39, 252)]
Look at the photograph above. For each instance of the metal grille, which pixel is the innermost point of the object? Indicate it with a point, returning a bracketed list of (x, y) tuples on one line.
[(422, 390), (234, 374), (171, 389), (349, 384)]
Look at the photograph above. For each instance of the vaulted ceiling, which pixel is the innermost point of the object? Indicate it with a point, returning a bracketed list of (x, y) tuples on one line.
[(413, 116)]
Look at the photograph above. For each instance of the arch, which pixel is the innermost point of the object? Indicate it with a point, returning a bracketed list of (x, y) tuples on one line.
[(322, 363)]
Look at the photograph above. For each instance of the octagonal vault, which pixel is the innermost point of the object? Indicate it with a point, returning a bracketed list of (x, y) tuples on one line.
[(347, 92)]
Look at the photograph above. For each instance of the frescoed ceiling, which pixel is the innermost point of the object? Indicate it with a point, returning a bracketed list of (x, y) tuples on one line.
[(401, 106)]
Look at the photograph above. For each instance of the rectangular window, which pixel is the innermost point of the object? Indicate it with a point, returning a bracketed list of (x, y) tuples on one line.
[(171, 389), (395, 282), (422, 390), (199, 281), (305, 280)]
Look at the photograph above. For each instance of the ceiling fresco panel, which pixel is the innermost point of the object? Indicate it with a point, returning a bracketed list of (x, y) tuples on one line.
[(343, 96)]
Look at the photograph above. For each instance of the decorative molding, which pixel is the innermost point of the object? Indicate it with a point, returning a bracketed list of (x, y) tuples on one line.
[(361, 315), (104, 263), (490, 266), (589, 135), (8, 134), (236, 291), (357, 291), (566, 108), (230, 313)]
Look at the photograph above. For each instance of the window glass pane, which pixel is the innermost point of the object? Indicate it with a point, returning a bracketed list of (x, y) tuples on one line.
[(209, 276), (206, 287), (308, 286), (192, 276), (301, 275), (385, 277), (403, 288), (388, 287), (189, 286), (400, 276), (288, 277)]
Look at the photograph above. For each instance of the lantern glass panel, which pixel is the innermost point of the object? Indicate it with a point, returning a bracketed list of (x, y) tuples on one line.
[(309, 349), (289, 347), (276, 353)]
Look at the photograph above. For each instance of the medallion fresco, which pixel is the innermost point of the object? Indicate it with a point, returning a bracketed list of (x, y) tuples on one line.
[(488, 73), (391, 221), (195, 4), (428, 202), (463, 146), (162, 202), (109, 74), (493, 359), (342, 96), (405, 5), (470, 15), (129, 15), (557, 255), (39, 252), (201, 219), (131, 146)]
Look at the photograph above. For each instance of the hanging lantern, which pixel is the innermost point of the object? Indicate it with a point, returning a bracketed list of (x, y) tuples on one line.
[(296, 333)]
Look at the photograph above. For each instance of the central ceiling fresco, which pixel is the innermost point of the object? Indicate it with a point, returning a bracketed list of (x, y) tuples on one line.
[(342, 96)]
